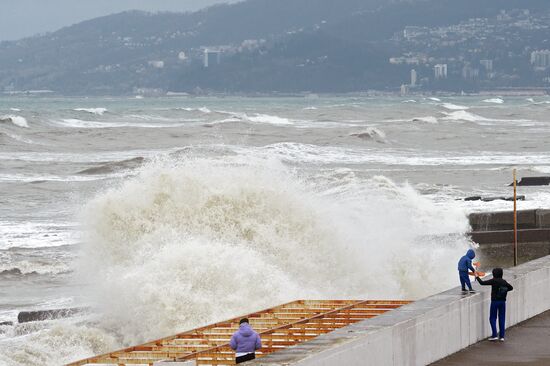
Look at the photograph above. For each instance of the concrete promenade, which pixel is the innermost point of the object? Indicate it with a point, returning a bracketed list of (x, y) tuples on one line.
[(527, 343), (426, 330)]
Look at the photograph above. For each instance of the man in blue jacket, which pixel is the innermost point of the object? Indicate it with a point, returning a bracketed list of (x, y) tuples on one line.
[(245, 342), (464, 265)]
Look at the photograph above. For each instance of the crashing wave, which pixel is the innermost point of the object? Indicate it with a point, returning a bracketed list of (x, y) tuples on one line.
[(371, 133), (183, 243), (16, 120)]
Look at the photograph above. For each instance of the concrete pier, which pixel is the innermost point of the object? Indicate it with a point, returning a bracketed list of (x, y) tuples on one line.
[(424, 331)]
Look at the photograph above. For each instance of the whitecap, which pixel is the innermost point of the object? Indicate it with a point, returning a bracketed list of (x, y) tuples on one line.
[(465, 116), (453, 107), (427, 119), (78, 123), (371, 133), (201, 109), (16, 120), (20, 138), (266, 118), (435, 99), (15, 109), (96, 111), (494, 100)]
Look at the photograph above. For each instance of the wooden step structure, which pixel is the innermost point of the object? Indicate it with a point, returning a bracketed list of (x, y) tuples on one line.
[(279, 327)]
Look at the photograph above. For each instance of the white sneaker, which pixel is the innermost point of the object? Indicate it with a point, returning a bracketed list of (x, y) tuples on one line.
[(501, 339), (492, 339)]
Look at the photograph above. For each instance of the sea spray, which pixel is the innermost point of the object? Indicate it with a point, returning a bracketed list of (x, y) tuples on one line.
[(187, 243)]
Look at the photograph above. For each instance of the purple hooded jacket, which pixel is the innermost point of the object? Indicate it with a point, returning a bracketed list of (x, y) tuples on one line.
[(245, 340)]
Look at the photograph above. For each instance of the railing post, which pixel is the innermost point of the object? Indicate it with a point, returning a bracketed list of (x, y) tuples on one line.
[(515, 222)]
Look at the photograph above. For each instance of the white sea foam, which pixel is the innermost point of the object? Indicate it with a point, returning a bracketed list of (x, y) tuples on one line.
[(35, 235), (78, 123), (16, 120), (464, 116), (427, 119), (20, 138), (434, 99), (297, 153), (52, 343), (15, 109), (266, 118), (494, 100), (255, 118), (542, 169), (454, 107), (89, 157), (50, 178), (189, 243), (97, 111), (201, 109)]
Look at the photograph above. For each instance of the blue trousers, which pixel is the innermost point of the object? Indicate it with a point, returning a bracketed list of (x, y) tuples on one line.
[(498, 308), (464, 280)]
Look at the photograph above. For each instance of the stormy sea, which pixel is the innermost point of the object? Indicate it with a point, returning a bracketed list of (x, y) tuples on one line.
[(157, 215)]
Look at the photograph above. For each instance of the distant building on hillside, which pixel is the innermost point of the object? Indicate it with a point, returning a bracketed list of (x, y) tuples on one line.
[(470, 73), (540, 59), (211, 57), (487, 65), (414, 77), (405, 89), (440, 71)]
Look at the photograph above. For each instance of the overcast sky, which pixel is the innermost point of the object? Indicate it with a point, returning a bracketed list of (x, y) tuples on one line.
[(22, 18)]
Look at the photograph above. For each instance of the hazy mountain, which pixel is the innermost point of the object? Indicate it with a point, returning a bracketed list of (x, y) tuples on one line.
[(265, 45)]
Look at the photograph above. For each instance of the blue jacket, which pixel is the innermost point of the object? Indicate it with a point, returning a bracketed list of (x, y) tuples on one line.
[(245, 340), (465, 263)]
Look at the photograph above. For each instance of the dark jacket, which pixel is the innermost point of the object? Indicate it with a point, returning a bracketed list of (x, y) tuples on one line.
[(245, 340), (465, 263), (499, 289)]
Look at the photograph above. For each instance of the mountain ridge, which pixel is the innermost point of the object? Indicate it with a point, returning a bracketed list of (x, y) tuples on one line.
[(265, 45)]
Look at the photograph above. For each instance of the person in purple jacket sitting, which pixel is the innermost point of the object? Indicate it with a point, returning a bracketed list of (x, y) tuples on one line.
[(245, 342)]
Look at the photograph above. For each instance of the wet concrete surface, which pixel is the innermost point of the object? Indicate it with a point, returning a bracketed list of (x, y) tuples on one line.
[(527, 343)]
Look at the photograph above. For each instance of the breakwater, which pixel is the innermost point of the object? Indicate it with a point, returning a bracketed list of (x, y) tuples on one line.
[(494, 232)]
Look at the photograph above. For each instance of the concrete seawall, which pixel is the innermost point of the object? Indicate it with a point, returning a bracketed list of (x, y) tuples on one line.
[(426, 330), (493, 231), (504, 220)]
